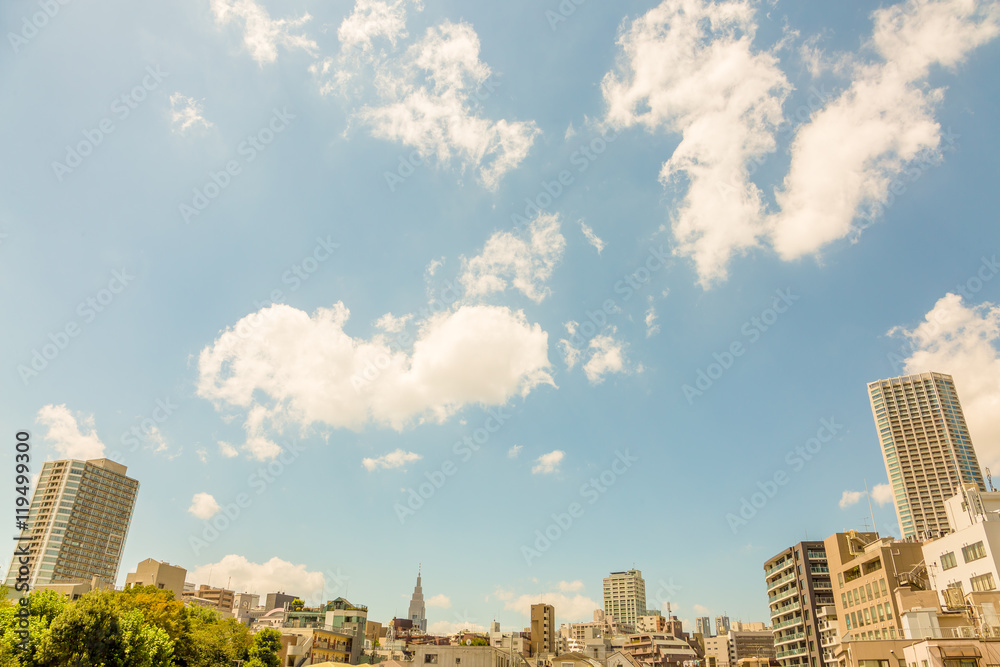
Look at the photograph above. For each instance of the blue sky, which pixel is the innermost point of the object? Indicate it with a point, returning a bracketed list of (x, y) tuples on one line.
[(395, 283)]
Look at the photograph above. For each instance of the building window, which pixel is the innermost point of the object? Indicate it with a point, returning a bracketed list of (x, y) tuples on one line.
[(973, 552), (983, 582), (430, 658), (948, 560)]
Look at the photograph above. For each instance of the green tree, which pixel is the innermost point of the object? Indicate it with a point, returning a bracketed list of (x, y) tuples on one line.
[(98, 631), (265, 648), (211, 640), (43, 606)]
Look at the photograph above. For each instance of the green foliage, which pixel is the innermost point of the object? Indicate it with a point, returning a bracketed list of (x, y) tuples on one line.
[(211, 640), (479, 641), (265, 648), (140, 627)]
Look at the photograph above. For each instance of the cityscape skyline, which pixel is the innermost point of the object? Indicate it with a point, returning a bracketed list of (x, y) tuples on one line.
[(522, 294)]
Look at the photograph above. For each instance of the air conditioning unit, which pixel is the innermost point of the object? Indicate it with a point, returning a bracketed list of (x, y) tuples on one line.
[(953, 598)]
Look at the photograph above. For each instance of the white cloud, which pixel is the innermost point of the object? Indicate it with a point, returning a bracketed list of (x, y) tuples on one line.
[(547, 464), (524, 263), (155, 441), (442, 628), (607, 355), (261, 33), (652, 328), (284, 367), (396, 459), (429, 95), (371, 19), (849, 498), (204, 506), (391, 324), (571, 354), (688, 66), (186, 113), (514, 451), (962, 341), (571, 586), (847, 156), (440, 600), (591, 237), (882, 494), (571, 609), (228, 450), (65, 436), (701, 609), (202, 455), (274, 575)]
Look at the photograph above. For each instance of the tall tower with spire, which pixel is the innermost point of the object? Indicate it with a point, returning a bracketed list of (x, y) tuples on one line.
[(417, 612)]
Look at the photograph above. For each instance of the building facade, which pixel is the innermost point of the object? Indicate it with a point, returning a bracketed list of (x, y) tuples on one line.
[(157, 573), (798, 584), (625, 598), (703, 626), (722, 625), (418, 612), (966, 560), (543, 629), (926, 448), (77, 523)]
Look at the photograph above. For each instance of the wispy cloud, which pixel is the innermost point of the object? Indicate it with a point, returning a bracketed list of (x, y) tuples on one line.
[(396, 459), (547, 464)]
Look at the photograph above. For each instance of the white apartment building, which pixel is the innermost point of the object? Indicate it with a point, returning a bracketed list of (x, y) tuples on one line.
[(625, 597), (966, 560)]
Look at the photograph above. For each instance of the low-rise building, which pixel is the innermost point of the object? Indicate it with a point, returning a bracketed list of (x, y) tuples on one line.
[(160, 574), (221, 598)]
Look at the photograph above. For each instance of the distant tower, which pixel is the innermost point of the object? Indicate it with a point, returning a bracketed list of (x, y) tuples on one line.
[(418, 613)]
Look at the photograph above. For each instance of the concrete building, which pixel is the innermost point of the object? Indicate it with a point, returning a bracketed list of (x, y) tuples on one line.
[(717, 651), (966, 560), (160, 574), (625, 598), (829, 637), (466, 656), (277, 600), (418, 612), (926, 448), (652, 623), (703, 626), (746, 644), (660, 649), (220, 598), (722, 625), (246, 601), (76, 524), (543, 629), (798, 585)]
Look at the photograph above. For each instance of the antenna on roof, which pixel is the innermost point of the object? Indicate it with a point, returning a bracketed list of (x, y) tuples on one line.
[(989, 480), (870, 512)]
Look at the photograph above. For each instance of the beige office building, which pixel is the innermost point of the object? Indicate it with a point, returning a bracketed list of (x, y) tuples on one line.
[(625, 598), (77, 523), (543, 629), (156, 573), (926, 448), (220, 598)]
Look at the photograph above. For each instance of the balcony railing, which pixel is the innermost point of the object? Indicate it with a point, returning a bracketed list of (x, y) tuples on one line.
[(786, 624), (790, 653), (785, 609), (782, 595), (788, 638), (779, 566), (777, 582)]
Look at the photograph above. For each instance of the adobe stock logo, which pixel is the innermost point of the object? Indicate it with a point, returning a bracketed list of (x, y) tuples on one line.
[(796, 459)]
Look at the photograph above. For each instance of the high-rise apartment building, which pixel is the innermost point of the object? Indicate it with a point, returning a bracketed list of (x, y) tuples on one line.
[(418, 612), (926, 447), (77, 523), (625, 597), (722, 626), (798, 586), (543, 629), (703, 626)]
